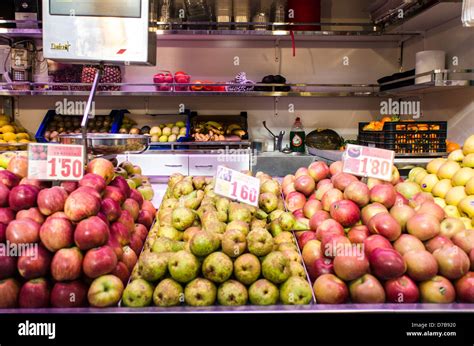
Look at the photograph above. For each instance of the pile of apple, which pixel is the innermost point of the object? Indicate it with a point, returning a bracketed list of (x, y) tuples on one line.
[(71, 245), (205, 249), (376, 241)]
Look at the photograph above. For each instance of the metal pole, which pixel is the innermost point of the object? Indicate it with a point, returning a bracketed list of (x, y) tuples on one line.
[(85, 118)]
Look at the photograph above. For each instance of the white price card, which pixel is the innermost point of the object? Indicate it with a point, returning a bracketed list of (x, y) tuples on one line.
[(237, 186), (55, 161), (368, 162)]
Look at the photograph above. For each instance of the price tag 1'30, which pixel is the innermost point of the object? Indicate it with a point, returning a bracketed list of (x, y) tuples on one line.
[(368, 162), (55, 161), (237, 186)]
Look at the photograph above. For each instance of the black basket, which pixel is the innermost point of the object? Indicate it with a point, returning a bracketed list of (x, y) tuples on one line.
[(407, 137), (240, 119)]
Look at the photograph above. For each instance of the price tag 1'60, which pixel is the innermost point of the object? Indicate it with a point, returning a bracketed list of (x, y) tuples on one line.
[(368, 162), (55, 161), (237, 186)]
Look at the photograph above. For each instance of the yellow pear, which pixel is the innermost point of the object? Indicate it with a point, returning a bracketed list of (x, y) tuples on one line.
[(468, 147), (441, 188), (414, 172), (448, 169), (455, 195), (420, 176), (452, 211), (467, 206), (434, 165), (456, 155), (428, 182), (467, 222), (461, 177), (470, 187), (439, 201), (468, 161)]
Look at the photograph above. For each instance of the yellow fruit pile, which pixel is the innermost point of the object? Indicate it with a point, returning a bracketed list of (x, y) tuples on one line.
[(451, 182), (10, 133)]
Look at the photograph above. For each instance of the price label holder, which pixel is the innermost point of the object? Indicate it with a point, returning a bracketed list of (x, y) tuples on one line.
[(368, 162), (55, 161), (237, 186)]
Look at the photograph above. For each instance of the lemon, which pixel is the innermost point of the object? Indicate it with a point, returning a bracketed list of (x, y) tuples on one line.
[(9, 136), (7, 128), (4, 122), (13, 141), (23, 141), (22, 135)]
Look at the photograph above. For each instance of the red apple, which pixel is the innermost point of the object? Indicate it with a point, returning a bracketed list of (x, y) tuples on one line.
[(136, 243), (137, 196), (331, 196), (9, 291), (7, 215), (7, 265), (9, 179), (59, 215), (3, 232), (370, 210), (311, 252), (431, 208), (129, 257), (366, 290), (437, 242), (318, 170), (38, 183), (121, 271), (311, 207), (471, 258), (358, 234), (24, 231), (145, 218), (420, 198), (287, 189), (318, 217), (327, 227), (465, 288), (122, 184), (464, 239), (69, 186), (119, 232), (102, 167), (305, 184), (52, 200), (94, 181), (34, 294), (295, 200), (332, 245), (402, 213), (67, 264), (288, 179), (301, 171), (345, 212), (148, 206), (423, 226), (450, 226), (320, 267), (304, 237), (408, 189), (91, 232), (126, 219), (132, 207), (406, 243), (385, 225), (453, 262), (56, 234), (321, 191), (400, 199), (4, 193), (69, 294), (115, 245), (357, 192), (111, 208), (387, 263), (34, 263), (343, 180), (438, 290), (32, 213), (80, 205), (23, 197), (351, 265), (99, 261), (329, 289), (372, 182), (375, 241), (421, 265), (384, 194), (335, 167), (141, 231), (402, 290), (323, 182)]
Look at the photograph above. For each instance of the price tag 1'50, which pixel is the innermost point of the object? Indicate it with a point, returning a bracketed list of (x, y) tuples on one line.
[(55, 161), (368, 162), (237, 186)]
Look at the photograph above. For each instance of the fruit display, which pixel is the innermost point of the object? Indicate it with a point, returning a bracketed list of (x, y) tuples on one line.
[(163, 79), (213, 131), (402, 241), (135, 179), (161, 133), (71, 245), (12, 136), (66, 124), (205, 249)]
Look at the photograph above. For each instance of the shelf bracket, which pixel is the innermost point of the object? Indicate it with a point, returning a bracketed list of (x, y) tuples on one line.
[(146, 105), (275, 106), (277, 50)]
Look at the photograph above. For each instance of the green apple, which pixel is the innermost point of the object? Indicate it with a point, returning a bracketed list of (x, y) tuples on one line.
[(105, 291)]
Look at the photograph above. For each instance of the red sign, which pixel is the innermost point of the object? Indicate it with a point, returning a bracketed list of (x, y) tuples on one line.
[(368, 162), (55, 161), (237, 186)]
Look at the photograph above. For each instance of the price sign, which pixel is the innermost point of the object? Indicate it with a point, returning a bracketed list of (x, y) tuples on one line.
[(55, 161), (237, 186), (368, 162)]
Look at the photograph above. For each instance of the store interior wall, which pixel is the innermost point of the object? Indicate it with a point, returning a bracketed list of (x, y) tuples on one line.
[(315, 62)]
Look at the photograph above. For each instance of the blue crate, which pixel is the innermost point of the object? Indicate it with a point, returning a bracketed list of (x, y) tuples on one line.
[(186, 138)]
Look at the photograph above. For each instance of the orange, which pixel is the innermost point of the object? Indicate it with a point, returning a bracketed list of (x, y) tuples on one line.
[(451, 146)]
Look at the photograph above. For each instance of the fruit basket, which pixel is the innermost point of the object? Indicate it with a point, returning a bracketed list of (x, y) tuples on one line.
[(55, 124), (219, 128), (406, 137)]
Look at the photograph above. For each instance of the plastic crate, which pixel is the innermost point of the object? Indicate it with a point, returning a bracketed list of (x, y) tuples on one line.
[(240, 119), (407, 137), (117, 116), (172, 117)]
